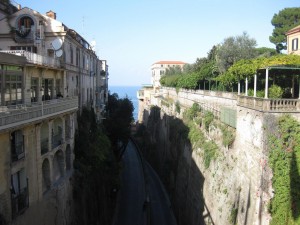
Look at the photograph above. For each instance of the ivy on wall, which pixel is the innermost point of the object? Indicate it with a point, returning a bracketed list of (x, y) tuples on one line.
[(284, 158)]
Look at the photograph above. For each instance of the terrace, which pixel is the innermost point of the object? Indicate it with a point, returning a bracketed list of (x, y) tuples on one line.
[(25, 113), (35, 58)]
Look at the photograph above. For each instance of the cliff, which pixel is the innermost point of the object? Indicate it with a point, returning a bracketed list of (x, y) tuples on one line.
[(214, 173)]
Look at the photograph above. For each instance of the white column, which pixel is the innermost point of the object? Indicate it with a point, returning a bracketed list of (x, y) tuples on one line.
[(239, 87), (267, 83), (246, 91), (255, 81)]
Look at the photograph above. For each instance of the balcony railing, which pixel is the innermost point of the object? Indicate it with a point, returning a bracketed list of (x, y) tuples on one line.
[(270, 105), (26, 113), (35, 58)]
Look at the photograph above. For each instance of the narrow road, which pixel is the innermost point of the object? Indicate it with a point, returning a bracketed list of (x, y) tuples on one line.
[(137, 187), (160, 205), (132, 193)]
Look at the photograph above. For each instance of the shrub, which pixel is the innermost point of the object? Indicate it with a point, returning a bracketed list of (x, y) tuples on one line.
[(275, 91)]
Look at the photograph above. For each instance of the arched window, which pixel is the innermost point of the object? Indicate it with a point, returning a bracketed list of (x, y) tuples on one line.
[(58, 165), (46, 175)]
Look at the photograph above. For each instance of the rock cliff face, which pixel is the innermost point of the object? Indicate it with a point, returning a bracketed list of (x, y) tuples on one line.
[(234, 188)]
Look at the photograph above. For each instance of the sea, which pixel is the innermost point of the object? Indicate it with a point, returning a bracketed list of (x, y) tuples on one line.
[(131, 93)]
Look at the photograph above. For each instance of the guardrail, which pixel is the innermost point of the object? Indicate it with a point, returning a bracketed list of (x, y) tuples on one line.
[(23, 113)]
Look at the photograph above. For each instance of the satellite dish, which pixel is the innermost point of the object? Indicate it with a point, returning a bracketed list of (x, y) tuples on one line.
[(59, 53), (56, 44)]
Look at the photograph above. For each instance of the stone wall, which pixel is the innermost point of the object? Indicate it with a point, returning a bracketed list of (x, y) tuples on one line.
[(54, 209), (237, 185)]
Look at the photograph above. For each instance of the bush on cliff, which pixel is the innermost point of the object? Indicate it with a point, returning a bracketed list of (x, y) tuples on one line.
[(284, 158)]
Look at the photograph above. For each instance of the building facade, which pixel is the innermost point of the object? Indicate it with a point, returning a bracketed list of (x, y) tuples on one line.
[(293, 38), (48, 72), (159, 68)]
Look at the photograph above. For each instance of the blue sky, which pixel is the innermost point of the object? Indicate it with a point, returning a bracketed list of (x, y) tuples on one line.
[(133, 34)]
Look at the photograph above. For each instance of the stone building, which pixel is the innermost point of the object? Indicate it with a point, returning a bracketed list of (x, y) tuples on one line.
[(159, 68), (48, 72), (293, 37)]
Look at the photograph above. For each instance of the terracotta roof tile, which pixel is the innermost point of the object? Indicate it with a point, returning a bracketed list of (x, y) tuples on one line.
[(170, 62)]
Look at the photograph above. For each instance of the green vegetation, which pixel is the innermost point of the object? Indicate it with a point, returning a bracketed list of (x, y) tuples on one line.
[(283, 21), (234, 49), (96, 172), (228, 135), (284, 158), (208, 118), (95, 164), (236, 58), (233, 215), (118, 119), (196, 135)]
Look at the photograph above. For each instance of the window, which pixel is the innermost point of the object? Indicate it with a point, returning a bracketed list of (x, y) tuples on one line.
[(34, 89), (77, 57), (295, 44), (13, 85), (19, 192), (47, 91), (71, 54), (17, 145), (25, 48)]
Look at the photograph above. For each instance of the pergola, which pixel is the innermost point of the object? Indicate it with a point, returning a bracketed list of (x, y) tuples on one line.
[(287, 70)]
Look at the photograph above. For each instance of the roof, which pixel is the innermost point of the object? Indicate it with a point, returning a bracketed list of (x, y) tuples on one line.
[(170, 62), (293, 30)]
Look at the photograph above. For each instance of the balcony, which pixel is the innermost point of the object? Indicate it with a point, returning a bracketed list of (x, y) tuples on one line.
[(35, 58), (20, 114), (270, 105)]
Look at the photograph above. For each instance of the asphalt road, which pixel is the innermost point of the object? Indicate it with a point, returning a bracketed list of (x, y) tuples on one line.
[(160, 206), (142, 199), (132, 192)]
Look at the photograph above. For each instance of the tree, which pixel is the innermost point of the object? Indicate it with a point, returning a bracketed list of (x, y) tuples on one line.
[(285, 20), (173, 70), (119, 119), (234, 49), (265, 52)]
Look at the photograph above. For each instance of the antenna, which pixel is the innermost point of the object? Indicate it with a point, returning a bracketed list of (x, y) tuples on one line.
[(56, 45), (59, 53)]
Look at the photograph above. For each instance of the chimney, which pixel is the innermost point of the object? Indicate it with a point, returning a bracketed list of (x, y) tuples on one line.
[(51, 14), (19, 7)]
